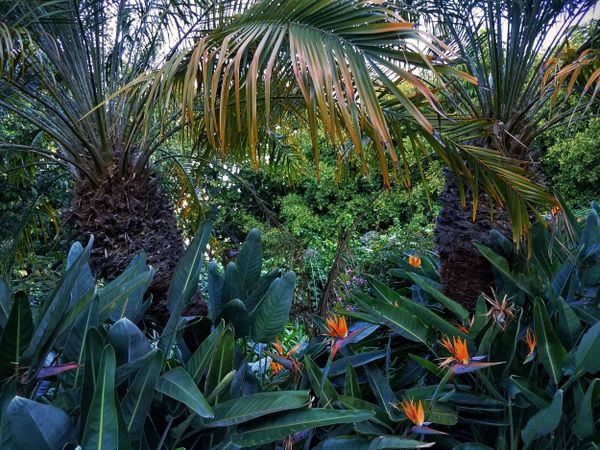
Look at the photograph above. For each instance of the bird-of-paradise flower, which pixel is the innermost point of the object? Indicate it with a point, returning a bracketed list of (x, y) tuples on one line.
[(531, 342), (414, 261), (337, 327), (416, 414), (459, 360), (501, 311), (555, 211), (277, 367)]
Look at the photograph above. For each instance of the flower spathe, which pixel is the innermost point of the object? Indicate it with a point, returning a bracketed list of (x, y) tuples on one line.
[(459, 360), (531, 341), (415, 261), (337, 327)]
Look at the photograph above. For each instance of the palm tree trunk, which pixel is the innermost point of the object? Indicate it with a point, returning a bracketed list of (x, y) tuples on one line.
[(464, 272), (127, 215)]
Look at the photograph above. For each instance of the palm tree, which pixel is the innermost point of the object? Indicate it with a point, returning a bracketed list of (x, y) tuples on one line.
[(355, 68), (509, 47)]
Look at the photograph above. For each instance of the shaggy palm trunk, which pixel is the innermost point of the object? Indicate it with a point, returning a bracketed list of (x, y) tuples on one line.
[(127, 215), (464, 272)]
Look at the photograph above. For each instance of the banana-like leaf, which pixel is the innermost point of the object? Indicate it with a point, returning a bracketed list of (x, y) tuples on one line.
[(128, 341), (15, 336), (402, 322), (85, 282), (534, 394), (550, 349), (221, 362), (322, 386), (199, 362), (215, 291), (351, 384), (249, 261), (52, 314), (178, 384), (232, 285), (545, 421), (4, 303), (184, 285), (94, 346), (363, 443), (279, 426), (587, 355), (382, 390), (7, 393), (243, 409), (235, 312), (101, 430), (338, 367), (38, 426), (584, 425), (380, 416), (136, 403), (455, 308), (272, 312), (393, 442)]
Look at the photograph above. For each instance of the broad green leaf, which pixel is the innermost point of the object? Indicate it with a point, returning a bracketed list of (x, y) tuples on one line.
[(545, 421), (15, 336), (569, 325), (382, 390), (500, 263), (178, 384), (393, 442), (322, 386), (534, 394), (380, 416), (584, 426), (253, 406), (54, 309), (136, 403), (198, 363), (184, 283), (232, 286), (128, 341), (4, 303), (215, 291), (403, 323), (7, 393), (272, 312), (235, 312), (587, 355), (38, 426), (221, 362), (550, 349), (472, 446), (279, 426), (456, 308), (338, 367), (94, 346), (222, 388), (351, 384), (101, 429), (249, 261)]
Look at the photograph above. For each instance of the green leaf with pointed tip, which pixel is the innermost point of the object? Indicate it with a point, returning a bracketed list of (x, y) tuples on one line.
[(550, 349), (584, 426), (351, 384), (199, 362), (500, 263), (221, 362), (323, 388), (178, 384), (7, 393), (137, 400), (272, 312), (249, 261), (231, 285), (235, 312), (455, 308), (338, 367), (184, 283), (94, 346), (253, 406), (393, 442), (128, 341), (545, 421), (101, 429), (403, 323), (38, 426), (382, 390), (279, 426), (534, 394), (15, 336), (587, 355), (215, 291), (54, 309), (4, 303)]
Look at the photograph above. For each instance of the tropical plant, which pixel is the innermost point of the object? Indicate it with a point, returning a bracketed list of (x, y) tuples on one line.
[(510, 48), (81, 372), (521, 370)]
